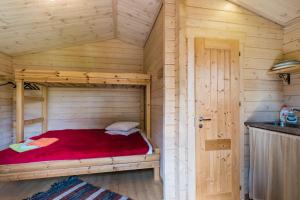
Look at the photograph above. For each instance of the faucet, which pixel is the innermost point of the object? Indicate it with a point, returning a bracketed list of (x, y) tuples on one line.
[(295, 109)]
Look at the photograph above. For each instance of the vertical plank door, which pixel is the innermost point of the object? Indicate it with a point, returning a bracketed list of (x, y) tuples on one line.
[(217, 119)]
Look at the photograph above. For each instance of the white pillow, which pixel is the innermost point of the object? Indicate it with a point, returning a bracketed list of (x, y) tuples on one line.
[(126, 133), (122, 126)]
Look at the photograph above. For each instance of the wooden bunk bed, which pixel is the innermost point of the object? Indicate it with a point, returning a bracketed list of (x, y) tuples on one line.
[(46, 169)]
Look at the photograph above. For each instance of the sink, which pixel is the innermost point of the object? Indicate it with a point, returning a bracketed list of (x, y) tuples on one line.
[(287, 125)]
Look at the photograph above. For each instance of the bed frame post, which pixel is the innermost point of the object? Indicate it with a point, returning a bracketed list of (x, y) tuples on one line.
[(45, 108), (156, 174), (19, 110), (148, 110)]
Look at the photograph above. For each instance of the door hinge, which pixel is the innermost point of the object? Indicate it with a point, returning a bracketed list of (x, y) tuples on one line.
[(239, 53), (240, 188), (240, 104)]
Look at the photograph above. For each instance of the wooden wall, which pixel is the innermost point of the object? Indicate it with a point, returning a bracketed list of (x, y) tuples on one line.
[(107, 56), (153, 64), (6, 109), (170, 114), (291, 42), (87, 107), (260, 45), (292, 51), (92, 108)]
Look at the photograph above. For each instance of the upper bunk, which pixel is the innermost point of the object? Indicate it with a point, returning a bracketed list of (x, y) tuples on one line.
[(73, 78), (56, 78)]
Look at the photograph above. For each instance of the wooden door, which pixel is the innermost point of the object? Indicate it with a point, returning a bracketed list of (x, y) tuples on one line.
[(217, 119)]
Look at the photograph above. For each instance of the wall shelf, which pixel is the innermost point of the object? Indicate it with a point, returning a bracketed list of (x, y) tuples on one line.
[(285, 73), (287, 70)]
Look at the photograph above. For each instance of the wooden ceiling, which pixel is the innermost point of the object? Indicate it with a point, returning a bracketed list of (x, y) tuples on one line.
[(28, 26), (280, 11)]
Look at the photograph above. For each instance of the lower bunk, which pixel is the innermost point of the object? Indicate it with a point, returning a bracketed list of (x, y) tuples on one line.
[(80, 152), (48, 169)]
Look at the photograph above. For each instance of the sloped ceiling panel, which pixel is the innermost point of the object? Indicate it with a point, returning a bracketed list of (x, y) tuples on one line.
[(33, 25), (280, 11), (136, 18), (28, 26)]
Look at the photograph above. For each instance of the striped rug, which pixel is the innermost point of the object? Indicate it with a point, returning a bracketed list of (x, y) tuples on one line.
[(73, 188)]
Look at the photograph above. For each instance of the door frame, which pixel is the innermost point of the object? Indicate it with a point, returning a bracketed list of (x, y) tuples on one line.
[(191, 123)]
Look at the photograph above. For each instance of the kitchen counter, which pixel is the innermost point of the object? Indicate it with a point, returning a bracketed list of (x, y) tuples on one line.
[(276, 128)]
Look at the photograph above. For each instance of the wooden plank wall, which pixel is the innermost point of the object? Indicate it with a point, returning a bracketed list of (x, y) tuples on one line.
[(6, 108), (107, 56), (87, 107), (92, 107), (170, 127), (153, 64), (291, 50), (260, 45)]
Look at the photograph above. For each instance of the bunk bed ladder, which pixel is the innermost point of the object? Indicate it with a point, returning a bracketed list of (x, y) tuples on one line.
[(20, 101)]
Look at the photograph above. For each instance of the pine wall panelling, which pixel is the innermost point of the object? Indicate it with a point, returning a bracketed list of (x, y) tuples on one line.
[(87, 107), (292, 51), (170, 139), (108, 56), (92, 108), (260, 45), (153, 64), (6, 107)]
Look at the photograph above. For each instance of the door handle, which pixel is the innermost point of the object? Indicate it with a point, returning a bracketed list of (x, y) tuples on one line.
[(201, 119)]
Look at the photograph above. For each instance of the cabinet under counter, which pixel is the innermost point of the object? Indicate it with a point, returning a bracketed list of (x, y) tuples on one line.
[(274, 165)]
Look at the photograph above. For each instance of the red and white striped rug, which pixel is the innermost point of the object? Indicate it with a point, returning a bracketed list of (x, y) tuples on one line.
[(73, 188)]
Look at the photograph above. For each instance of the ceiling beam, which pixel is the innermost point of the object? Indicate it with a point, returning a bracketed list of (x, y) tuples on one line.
[(115, 17)]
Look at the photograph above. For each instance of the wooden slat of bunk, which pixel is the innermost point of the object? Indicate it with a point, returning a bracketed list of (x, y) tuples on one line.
[(80, 74), (80, 77), (19, 110), (33, 121), (39, 99), (148, 110), (76, 80), (78, 171), (45, 109), (76, 167), (25, 167)]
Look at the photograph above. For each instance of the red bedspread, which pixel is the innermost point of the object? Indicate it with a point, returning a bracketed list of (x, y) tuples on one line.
[(79, 144)]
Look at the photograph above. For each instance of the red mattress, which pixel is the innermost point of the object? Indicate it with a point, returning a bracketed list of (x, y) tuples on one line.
[(79, 144)]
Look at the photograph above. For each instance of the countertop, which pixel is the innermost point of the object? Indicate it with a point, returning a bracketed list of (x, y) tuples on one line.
[(272, 127)]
